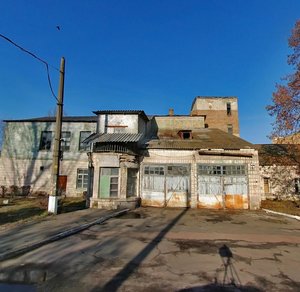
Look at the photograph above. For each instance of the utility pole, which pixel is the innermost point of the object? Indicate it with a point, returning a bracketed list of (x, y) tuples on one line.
[(53, 198)]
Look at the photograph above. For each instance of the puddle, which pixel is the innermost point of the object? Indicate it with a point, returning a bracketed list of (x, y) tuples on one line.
[(17, 287), (131, 215)]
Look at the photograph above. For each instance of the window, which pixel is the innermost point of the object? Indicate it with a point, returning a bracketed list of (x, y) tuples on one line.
[(65, 141), (178, 170), (297, 185), (228, 106), (82, 178), (266, 185), (154, 170), (230, 129), (82, 137), (46, 140), (185, 134), (222, 170)]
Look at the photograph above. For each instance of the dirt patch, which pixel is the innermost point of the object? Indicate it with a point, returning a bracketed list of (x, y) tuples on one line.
[(71, 205), (203, 247), (273, 220), (217, 218), (22, 210), (288, 207), (131, 215)]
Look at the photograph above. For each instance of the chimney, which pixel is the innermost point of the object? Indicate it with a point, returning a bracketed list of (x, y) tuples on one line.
[(171, 112)]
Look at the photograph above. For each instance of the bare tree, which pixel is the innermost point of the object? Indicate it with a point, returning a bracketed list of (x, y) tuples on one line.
[(286, 99)]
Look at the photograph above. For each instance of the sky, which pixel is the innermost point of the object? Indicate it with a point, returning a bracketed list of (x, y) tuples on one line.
[(149, 55)]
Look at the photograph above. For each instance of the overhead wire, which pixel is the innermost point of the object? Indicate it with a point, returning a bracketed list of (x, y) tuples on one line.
[(36, 57)]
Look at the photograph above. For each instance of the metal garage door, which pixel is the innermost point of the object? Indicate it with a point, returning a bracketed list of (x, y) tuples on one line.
[(166, 185), (222, 186)]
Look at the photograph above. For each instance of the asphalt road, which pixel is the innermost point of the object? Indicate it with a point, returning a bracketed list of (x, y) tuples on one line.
[(156, 249)]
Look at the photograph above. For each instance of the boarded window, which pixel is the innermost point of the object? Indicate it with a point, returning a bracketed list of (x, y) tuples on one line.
[(230, 129), (65, 141), (46, 140), (82, 137), (82, 178), (175, 170)]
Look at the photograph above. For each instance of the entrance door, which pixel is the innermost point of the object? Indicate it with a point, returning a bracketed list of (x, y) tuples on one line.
[(109, 182), (266, 185), (62, 185), (131, 182)]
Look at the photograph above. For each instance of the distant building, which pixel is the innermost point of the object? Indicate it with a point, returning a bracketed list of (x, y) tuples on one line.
[(218, 112)]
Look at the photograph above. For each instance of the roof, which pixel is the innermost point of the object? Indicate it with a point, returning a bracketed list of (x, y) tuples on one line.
[(279, 154), (207, 138), (122, 112), (211, 97), (114, 138), (88, 119), (215, 97)]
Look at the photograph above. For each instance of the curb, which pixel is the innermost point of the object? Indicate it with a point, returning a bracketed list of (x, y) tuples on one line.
[(282, 214), (61, 235)]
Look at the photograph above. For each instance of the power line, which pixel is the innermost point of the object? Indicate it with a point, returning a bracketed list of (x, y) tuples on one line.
[(36, 57)]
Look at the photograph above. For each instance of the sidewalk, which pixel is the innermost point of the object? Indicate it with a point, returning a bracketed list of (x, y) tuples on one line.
[(32, 232)]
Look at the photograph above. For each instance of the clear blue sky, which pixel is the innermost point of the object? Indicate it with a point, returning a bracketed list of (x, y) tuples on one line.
[(149, 55)]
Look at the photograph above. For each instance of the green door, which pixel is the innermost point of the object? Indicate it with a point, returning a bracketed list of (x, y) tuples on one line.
[(108, 182)]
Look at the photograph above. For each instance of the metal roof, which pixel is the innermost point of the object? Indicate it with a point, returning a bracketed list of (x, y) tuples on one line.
[(115, 137), (75, 119), (122, 112)]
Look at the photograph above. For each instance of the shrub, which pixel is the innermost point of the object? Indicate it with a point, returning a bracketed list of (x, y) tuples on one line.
[(14, 190), (25, 191), (3, 191)]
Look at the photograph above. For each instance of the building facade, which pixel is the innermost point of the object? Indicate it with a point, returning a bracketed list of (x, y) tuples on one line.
[(218, 112), (26, 156), (126, 158)]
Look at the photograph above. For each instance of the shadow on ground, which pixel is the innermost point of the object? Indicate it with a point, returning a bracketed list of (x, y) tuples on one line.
[(20, 214)]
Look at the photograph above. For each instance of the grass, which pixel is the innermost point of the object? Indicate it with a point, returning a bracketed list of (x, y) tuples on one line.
[(28, 209), (288, 207)]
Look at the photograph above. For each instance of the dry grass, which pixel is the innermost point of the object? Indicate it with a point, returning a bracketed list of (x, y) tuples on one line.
[(288, 207), (27, 209)]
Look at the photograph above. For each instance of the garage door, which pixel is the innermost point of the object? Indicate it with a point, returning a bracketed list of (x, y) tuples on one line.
[(166, 185), (222, 186)]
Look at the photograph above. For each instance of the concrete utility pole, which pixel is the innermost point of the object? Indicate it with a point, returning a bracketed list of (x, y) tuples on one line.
[(53, 198)]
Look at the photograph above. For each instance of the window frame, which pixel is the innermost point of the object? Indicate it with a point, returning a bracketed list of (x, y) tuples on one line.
[(46, 142), (222, 169), (228, 108), (64, 141), (80, 147), (82, 177), (230, 129)]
